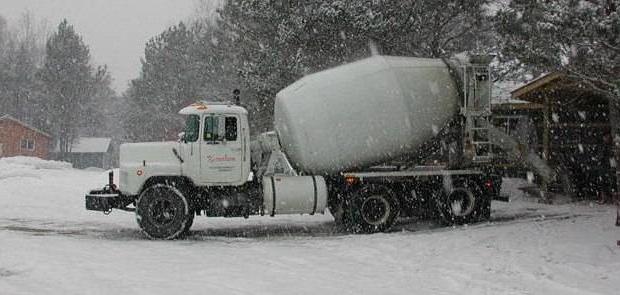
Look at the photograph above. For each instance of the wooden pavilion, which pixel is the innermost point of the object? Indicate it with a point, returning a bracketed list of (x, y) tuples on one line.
[(571, 130)]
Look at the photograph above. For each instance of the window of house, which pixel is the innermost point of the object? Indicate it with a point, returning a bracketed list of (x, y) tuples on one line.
[(27, 144)]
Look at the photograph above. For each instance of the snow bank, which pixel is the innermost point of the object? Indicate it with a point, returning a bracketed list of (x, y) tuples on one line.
[(34, 163), (16, 167), (32, 187)]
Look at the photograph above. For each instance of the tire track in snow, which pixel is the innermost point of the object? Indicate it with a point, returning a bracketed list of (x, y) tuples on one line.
[(278, 231)]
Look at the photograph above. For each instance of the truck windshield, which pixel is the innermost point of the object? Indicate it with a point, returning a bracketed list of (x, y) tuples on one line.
[(192, 128)]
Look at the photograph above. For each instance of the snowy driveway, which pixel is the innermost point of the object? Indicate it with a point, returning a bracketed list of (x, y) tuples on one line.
[(50, 245)]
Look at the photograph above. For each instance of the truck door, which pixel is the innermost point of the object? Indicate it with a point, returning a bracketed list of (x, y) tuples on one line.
[(222, 150), (189, 148)]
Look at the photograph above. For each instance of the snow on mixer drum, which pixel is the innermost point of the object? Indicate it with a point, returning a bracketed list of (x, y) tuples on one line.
[(364, 112)]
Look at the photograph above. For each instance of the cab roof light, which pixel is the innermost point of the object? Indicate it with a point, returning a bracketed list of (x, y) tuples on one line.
[(199, 105)]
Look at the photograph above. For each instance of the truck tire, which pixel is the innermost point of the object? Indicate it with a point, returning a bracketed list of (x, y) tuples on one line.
[(373, 208), (163, 212), (463, 205)]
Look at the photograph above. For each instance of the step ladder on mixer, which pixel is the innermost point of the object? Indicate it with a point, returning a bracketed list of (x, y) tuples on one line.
[(476, 109)]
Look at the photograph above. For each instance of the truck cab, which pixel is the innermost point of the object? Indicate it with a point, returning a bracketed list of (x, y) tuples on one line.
[(213, 150), (215, 145)]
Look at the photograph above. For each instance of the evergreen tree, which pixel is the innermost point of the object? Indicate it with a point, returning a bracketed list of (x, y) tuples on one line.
[(261, 47), (99, 120), (581, 38), (68, 81), (21, 52), (276, 43), (170, 78)]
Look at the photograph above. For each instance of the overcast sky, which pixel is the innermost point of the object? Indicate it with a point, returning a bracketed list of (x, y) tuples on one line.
[(114, 30)]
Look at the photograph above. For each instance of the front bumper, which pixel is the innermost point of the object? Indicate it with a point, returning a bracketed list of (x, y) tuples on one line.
[(105, 200), (108, 198), (102, 200)]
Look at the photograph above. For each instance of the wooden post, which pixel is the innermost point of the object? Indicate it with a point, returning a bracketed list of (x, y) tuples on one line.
[(546, 130), (614, 124), (544, 186)]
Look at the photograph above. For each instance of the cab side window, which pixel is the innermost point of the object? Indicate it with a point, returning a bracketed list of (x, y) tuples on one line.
[(218, 129), (231, 128), (211, 129)]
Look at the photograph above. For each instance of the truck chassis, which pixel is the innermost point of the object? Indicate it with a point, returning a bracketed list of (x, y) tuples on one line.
[(361, 202)]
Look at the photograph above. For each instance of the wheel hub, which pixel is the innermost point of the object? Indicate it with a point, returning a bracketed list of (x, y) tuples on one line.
[(163, 212), (461, 202), (376, 210)]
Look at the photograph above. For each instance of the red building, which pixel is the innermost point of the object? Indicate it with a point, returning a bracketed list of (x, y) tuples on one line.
[(20, 139)]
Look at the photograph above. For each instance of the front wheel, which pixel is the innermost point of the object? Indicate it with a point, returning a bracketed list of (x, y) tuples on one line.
[(163, 212), (373, 208)]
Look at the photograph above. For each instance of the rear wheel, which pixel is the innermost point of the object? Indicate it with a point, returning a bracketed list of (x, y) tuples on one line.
[(373, 208), (465, 205), (163, 212)]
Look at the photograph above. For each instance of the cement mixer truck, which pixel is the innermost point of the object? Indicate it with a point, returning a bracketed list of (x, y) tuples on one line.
[(370, 141)]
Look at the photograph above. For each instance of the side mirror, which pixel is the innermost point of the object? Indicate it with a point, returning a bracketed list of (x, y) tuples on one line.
[(181, 137)]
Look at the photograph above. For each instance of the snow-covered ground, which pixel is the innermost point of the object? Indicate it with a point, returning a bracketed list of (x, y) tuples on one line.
[(50, 245)]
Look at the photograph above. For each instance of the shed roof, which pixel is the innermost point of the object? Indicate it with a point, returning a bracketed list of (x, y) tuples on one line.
[(91, 145), (10, 118), (555, 86), (536, 84), (503, 97)]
